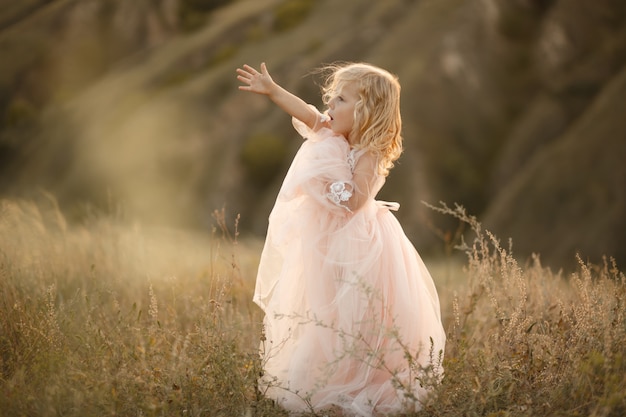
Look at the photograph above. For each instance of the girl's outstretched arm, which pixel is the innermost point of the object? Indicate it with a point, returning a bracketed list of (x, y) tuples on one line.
[(262, 83)]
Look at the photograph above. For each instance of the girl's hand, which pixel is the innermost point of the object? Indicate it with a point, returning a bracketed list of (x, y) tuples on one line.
[(262, 83), (257, 82)]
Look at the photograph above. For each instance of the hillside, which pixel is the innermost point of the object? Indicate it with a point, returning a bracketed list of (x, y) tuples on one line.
[(512, 109)]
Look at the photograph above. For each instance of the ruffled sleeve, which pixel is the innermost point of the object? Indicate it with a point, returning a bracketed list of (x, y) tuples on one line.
[(320, 175)]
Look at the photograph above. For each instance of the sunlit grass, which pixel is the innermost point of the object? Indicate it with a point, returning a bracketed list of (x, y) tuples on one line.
[(109, 318)]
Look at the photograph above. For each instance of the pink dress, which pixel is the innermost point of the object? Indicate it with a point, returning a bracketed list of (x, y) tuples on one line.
[(345, 293)]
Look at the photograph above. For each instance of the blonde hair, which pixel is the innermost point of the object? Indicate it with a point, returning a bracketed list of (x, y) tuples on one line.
[(377, 121)]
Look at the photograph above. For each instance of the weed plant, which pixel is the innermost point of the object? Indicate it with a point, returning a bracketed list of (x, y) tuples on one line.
[(108, 318)]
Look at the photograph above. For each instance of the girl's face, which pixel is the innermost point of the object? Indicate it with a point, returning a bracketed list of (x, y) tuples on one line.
[(341, 109)]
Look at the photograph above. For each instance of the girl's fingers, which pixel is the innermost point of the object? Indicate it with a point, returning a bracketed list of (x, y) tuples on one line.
[(250, 69), (248, 75), (243, 73)]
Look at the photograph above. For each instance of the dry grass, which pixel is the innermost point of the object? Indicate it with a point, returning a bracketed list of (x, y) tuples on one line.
[(107, 319), (525, 341), (110, 319)]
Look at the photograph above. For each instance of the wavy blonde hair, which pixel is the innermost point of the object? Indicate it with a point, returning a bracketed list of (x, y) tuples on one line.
[(377, 121)]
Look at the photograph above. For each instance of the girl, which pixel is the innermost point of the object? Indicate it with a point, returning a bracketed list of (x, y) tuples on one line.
[(352, 319)]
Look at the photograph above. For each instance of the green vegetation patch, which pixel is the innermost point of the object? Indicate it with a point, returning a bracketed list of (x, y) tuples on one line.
[(263, 157), (291, 13)]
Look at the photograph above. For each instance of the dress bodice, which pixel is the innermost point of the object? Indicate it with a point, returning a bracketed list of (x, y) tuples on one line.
[(354, 178)]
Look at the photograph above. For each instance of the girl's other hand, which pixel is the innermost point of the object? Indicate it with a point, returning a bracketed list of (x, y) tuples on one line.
[(256, 82)]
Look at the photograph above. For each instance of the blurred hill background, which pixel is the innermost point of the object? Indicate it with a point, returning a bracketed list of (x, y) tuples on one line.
[(514, 109)]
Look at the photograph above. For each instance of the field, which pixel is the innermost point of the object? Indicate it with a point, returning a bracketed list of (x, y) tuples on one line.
[(109, 318)]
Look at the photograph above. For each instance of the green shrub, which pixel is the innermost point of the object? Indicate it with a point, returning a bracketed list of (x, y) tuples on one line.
[(291, 13), (20, 112), (205, 5), (222, 54), (263, 157)]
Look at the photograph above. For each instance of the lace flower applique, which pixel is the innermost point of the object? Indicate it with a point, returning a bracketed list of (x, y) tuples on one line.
[(339, 193)]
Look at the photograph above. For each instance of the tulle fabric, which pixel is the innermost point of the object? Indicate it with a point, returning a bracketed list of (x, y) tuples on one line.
[(346, 295)]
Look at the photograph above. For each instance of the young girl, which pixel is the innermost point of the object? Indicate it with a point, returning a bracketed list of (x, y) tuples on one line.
[(352, 319)]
